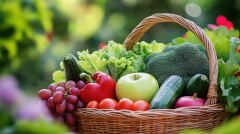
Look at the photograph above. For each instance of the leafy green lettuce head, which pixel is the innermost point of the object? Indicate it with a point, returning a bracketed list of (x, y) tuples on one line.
[(229, 85), (91, 63)]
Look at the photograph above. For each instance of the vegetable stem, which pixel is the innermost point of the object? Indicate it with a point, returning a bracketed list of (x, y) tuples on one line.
[(86, 77)]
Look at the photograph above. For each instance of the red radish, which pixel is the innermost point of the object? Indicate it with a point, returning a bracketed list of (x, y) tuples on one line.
[(188, 101)]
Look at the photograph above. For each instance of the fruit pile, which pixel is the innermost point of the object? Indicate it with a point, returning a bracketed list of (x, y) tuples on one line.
[(62, 99)]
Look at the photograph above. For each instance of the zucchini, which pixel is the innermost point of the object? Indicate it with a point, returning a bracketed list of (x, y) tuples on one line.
[(170, 90), (71, 68), (197, 84)]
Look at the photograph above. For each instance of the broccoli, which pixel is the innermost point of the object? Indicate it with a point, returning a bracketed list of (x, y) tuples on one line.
[(186, 61), (169, 48)]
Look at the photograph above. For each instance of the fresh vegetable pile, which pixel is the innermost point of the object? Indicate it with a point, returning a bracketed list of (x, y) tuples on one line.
[(150, 76), (227, 46)]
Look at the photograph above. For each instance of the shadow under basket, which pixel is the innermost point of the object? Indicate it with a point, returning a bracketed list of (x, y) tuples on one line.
[(159, 121)]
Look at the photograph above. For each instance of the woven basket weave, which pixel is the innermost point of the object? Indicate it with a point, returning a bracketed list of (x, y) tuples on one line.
[(165, 121)]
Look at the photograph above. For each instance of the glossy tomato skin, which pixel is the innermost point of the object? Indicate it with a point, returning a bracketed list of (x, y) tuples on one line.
[(92, 104), (107, 104), (125, 103), (141, 105)]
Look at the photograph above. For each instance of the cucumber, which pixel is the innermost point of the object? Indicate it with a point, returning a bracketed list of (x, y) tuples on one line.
[(166, 96), (197, 84), (71, 68)]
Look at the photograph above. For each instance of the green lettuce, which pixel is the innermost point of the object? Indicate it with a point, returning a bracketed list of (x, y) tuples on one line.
[(145, 49), (234, 54), (91, 63), (229, 85), (113, 49), (121, 61), (117, 66)]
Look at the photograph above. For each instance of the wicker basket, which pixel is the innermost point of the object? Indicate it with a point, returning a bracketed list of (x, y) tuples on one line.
[(166, 121)]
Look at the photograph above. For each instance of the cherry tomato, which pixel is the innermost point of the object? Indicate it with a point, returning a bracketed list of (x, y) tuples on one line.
[(92, 104), (107, 104), (125, 104), (141, 105)]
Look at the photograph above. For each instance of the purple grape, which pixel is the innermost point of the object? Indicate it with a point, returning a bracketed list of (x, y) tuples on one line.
[(70, 107), (80, 84), (70, 84), (61, 107), (62, 84), (72, 99), (70, 119), (58, 97), (74, 91), (50, 103), (60, 88), (79, 104), (44, 94), (52, 87), (60, 119)]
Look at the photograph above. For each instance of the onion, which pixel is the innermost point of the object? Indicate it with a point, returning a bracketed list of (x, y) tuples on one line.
[(188, 101)]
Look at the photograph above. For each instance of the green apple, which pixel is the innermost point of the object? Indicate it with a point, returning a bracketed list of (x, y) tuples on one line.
[(137, 86)]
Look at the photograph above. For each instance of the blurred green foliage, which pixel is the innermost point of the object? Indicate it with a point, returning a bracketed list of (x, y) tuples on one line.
[(39, 127), (23, 27), (230, 127), (6, 118)]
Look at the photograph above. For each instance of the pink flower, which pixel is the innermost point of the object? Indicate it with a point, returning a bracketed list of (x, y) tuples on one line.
[(212, 26), (221, 21), (229, 25)]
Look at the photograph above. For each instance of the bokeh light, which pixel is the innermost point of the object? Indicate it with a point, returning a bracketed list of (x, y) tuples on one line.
[(193, 9)]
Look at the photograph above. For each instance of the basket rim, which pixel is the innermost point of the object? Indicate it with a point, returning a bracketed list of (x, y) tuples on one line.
[(183, 111)]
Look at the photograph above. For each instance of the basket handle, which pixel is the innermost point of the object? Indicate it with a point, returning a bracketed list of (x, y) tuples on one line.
[(150, 21)]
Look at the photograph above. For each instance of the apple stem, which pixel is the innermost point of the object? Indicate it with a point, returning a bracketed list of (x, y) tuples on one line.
[(194, 96)]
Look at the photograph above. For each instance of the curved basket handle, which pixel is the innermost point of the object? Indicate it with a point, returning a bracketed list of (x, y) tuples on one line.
[(150, 21)]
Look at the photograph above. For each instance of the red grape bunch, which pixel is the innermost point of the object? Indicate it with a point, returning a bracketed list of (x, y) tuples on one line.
[(62, 99)]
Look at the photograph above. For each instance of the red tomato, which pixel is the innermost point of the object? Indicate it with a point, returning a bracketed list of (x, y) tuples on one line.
[(125, 104), (92, 104), (107, 104), (141, 105)]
